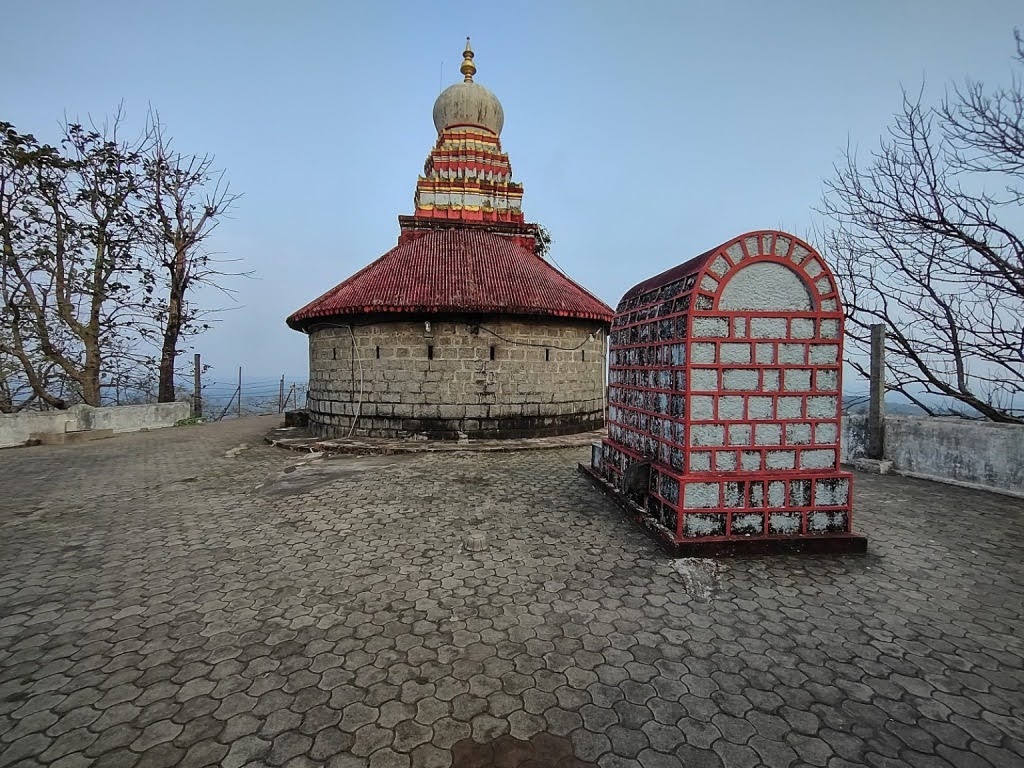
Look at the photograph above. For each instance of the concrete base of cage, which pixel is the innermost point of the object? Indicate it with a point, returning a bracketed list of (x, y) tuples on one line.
[(731, 546)]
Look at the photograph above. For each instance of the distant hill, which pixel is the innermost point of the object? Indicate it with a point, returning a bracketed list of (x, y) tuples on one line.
[(895, 405)]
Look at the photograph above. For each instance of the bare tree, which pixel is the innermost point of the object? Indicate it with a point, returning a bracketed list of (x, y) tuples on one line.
[(923, 232), (185, 198)]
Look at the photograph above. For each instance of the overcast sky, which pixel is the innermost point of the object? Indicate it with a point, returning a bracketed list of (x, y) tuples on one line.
[(644, 132)]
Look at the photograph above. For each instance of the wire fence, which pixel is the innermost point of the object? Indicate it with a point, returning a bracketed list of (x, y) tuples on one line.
[(224, 399)]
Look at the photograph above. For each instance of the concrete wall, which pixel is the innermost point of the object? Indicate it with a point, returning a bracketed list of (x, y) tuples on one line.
[(16, 428), (976, 454), (547, 377)]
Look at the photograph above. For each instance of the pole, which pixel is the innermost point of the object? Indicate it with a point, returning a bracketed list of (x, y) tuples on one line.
[(239, 391), (197, 395), (876, 403), (280, 396)]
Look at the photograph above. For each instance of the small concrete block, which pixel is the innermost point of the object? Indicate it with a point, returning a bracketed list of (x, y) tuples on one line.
[(739, 434), (700, 495), (700, 461), (735, 353), (710, 327), (702, 352), (874, 466), (792, 354), (768, 327), (703, 379), (824, 354), (759, 407)]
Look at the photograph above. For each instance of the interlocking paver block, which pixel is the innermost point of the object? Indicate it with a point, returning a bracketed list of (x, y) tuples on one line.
[(198, 608)]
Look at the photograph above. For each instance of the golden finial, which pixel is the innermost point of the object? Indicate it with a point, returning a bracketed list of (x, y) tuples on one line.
[(468, 68)]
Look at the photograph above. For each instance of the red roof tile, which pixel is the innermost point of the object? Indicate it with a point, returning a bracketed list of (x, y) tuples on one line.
[(456, 270)]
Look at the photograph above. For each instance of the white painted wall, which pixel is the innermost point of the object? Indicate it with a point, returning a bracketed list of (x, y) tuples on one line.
[(15, 428), (975, 454)]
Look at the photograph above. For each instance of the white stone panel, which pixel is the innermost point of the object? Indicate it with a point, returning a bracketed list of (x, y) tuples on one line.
[(739, 379), (789, 408), (801, 328), (710, 327), (798, 434), (703, 379), (725, 461), (700, 495), (707, 435), (831, 493), (770, 380), (719, 267), (731, 407), (767, 434), (813, 268), (826, 380), (765, 354), (734, 253), (825, 433), (829, 305), (780, 460), (702, 352), (750, 461), (796, 380), (702, 407), (799, 254), (792, 354), (817, 459), (776, 494), (822, 407), (700, 461), (735, 353), (782, 246), (739, 327), (768, 327), (709, 284), (765, 286), (739, 434), (824, 354), (830, 329), (759, 407)]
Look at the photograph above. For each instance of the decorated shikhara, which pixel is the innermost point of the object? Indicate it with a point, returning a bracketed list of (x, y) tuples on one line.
[(724, 400), (467, 177)]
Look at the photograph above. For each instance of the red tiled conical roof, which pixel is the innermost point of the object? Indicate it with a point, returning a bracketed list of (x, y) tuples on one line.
[(458, 271)]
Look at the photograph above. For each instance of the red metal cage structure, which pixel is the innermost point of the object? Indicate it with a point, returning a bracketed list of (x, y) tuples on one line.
[(725, 376)]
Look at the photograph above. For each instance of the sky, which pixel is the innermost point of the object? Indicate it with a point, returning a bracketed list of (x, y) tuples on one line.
[(644, 132)]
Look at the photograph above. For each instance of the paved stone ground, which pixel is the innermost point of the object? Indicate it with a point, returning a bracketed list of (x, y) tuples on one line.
[(195, 597)]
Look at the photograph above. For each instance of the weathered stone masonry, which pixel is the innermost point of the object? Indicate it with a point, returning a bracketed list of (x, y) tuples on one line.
[(544, 379)]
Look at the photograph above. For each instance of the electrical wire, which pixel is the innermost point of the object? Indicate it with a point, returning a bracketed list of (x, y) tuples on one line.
[(470, 326), (532, 344), (359, 406)]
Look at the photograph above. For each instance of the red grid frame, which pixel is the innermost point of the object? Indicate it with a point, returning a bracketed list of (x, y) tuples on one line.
[(653, 341)]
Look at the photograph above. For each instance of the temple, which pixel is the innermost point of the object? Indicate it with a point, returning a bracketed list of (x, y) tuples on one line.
[(463, 329)]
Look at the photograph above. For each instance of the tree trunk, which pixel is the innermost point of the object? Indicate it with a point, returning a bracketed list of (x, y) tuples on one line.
[(168, 356), (172, 331), (90, 378)]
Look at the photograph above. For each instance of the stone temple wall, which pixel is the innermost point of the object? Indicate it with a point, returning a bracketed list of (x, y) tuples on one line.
[(481, 377)]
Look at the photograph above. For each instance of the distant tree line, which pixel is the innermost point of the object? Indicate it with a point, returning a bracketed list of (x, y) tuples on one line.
[(927, 234), (104, 242)]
